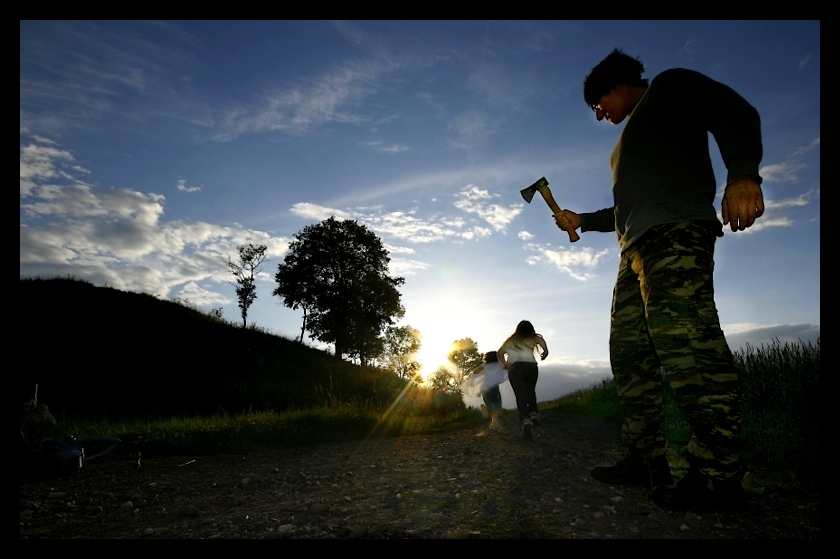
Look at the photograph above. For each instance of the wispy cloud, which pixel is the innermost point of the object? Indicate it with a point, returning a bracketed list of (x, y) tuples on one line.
[(773, 212), (39, 161), (738, 335), (472, 200), (577, 263), (333, 97), (802, 200), (182, 186), (194, 294), (398, 225), (76, 71), (804, 62), (525, 236), (805, 149), (405, 267), (318, 213), (498, 88), (118, 236), (786, 170), (781, 172), (389, 149), (471, 128)]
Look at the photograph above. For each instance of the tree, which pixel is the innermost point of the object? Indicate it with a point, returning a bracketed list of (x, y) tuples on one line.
[(251, 257), (337, 271), (401, 347), (465, 357), (443, 380)]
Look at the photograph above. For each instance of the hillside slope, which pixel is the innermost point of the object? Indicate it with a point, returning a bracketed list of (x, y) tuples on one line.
[(97, 350)]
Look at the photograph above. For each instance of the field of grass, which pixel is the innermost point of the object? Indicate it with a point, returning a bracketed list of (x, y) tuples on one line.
[(260, 430), (780, 391)]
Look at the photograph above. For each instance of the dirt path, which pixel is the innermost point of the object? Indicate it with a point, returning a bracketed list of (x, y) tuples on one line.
[(452, 485)]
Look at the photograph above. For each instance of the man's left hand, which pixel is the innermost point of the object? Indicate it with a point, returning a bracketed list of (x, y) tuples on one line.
[(743, 202)]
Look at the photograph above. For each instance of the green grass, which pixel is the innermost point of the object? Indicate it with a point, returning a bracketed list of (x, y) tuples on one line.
[(780, 394), (598, 400), (261, 430), (780, 390)]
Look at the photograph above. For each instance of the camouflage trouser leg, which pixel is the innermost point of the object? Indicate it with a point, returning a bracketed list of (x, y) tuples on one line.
[(664, 315)]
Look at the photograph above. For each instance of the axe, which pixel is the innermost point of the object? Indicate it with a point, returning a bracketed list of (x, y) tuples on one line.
[(541, 186)]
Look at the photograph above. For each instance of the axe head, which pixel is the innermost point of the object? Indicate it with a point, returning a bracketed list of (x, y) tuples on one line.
[(528, 193)]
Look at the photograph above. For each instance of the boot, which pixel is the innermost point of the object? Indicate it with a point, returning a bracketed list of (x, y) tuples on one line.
[(535, 419), (694, 493), (526, 430), (635, 470)]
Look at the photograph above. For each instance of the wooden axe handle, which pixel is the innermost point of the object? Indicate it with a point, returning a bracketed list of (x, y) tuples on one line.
[(549, 199)]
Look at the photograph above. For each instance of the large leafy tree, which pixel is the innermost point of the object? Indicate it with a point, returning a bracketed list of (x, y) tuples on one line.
[(244, 269), (464, 357), (337, 271)]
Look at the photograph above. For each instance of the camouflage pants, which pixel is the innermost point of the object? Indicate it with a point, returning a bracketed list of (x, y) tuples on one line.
[(664, 321)]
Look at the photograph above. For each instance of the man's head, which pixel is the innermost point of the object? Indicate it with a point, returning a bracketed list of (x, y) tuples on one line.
[(617, 69)]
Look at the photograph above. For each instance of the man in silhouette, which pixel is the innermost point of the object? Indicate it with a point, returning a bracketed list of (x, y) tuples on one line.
[(664, 322)]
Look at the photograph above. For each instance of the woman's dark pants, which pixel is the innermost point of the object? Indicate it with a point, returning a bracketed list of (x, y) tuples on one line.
[(523, 380)]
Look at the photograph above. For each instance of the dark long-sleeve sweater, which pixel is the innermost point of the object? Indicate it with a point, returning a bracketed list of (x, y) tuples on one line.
[(662, 171)]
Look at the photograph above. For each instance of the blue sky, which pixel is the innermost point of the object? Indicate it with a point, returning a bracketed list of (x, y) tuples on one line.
[(150, 150)]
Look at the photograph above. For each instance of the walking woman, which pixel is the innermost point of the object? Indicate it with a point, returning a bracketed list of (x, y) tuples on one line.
[(517, 356)]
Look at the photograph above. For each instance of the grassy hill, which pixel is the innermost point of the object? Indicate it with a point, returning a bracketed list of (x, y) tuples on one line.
[(100, 352)]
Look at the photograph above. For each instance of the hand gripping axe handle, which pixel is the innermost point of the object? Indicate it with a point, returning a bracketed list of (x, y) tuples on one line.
[(541, 186)]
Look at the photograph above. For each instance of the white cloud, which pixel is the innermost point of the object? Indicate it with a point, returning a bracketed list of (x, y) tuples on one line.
[(781, 172), (39, 161), (772, 210), (398, 249), (192, 293), (404, 267), (801, 200), (389, 149), (525, 236), (578, 263), (472, 201), (118, 237), (786, 170), (404, 226), (317, 213), (472, 192), (813, 145), (182, 186)]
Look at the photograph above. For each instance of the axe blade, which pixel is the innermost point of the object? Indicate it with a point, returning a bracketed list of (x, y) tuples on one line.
[(528, 193)]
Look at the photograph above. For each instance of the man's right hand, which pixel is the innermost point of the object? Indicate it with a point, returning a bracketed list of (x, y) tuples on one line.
[(743, 203), (567, 220)]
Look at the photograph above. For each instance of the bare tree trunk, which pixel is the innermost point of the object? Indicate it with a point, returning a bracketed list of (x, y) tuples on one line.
[(303, 326)]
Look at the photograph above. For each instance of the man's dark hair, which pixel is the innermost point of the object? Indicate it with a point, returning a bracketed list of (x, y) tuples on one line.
[(616, 69)]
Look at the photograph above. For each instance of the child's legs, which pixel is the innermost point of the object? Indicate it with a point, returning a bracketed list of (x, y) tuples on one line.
[(493, 399)]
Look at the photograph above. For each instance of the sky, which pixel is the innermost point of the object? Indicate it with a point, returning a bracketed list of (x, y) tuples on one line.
[(150, 150)]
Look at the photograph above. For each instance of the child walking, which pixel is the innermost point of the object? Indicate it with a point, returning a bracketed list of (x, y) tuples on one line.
[(485, 381), (517, 356)]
